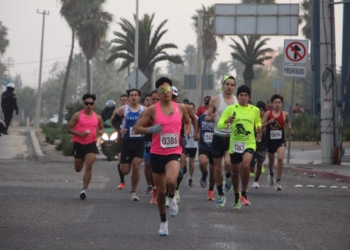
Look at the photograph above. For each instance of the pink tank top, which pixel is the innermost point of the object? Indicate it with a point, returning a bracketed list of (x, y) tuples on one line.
[(84, 123), (169, 141)]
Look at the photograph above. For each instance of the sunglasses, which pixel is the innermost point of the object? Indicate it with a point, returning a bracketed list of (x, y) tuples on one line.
[(89, 103), (165, 88)]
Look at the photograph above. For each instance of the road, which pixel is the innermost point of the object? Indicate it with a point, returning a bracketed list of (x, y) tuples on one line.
[(40, 209)]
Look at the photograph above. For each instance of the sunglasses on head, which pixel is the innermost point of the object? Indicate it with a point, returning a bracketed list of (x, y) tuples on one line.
[(164, 88), (89, 103)]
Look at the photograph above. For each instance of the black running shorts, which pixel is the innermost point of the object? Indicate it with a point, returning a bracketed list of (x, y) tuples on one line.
[(202, 151), (80, 150), (220, 146), (273, 147), (191, 152), (158, 162), (238, 157), (131, 149)]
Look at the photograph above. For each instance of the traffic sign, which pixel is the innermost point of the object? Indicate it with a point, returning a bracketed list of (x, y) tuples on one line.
[(141, 79), (295, 51), (4, 81), (294, 71)]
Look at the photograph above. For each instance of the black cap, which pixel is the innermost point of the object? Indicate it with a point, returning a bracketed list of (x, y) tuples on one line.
[(243, 89)]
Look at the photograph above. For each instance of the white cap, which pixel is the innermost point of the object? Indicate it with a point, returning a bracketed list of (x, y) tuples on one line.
[(10, 85), (175, 91)]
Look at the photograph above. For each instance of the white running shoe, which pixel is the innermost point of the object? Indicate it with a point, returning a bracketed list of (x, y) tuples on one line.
[(278, 186), (167, 201), (163, 230), (173, 207), (134, 197), (255, 185), (271, 180)]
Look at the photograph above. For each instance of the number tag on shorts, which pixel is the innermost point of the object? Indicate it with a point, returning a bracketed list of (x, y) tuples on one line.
[(208, 137), (169, 140), (238, 147), (132, 133), (275, 134)]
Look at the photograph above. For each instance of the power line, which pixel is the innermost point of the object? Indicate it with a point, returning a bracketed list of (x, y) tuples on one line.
[(39, 61)]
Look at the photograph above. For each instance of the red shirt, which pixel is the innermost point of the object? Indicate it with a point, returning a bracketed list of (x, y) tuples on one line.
[(201, 110)]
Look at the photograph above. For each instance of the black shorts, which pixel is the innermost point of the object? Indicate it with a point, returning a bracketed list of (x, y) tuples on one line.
[(273, 147), (220, 146), (191, 152), (202, 151), (158, 162), (238, 157), (80, 150), (131, 149), (119, 145)]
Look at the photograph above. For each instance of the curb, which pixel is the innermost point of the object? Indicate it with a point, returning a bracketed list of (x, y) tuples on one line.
[(323, 174), (35, 142)]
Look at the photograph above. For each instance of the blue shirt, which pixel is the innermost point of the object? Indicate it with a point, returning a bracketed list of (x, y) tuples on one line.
[(130, 119), (206, 133)]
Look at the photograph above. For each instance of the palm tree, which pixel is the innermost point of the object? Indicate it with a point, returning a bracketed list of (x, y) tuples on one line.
[(150, 51), (222, 69), (190, 58), (306, 9), (4, 42), (209, 44), (250, 54), (92, 30)]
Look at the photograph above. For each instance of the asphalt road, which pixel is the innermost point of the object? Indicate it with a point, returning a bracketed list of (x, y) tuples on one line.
[(40, 209)]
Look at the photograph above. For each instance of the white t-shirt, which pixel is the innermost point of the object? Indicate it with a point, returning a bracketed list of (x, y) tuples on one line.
[(191, 143)]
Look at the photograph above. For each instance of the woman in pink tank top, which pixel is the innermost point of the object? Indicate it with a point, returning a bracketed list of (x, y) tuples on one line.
[(84, 126)]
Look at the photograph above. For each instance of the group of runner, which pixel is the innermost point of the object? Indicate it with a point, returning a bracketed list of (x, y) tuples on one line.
[(163, 132)]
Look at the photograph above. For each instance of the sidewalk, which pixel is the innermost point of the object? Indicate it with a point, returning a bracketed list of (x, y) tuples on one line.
[(302, 161)]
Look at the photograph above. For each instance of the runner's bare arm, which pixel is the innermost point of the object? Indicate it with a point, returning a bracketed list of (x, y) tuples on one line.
[(211, 110), (117, 116), (101, 128), (226, 117), (194, 118), (290, 129), (265, 123), (142, 124), (186, 119), (71, 124), (258, 125)]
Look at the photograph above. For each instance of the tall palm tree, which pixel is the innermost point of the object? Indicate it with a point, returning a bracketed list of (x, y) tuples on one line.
[(222, 69), (190, 59), (4, 42), (250, 54), (150, 51), (92, 30), (209, 43), (306, 10)]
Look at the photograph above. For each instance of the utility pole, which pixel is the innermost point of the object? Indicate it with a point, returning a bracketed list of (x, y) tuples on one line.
[(9, 64), (136, 52), (38, 99), (199, 58), (327, 99)]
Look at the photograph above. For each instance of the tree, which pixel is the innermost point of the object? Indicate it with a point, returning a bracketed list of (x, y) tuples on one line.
[(4, 42), (306, 10), (150, 51), (92, 30), (222, 69), (190, 59), (209, 43), (26, 97), (250, 54)]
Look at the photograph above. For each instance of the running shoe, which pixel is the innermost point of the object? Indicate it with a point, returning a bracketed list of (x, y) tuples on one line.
[(173, 207), (278, 186), (121, 185), (167, 201), (221, 201), (203, 180), (244, 201), (237, 205), (163, 230), (228, 185), (154, 197), (263, 169), (149, 190), (177, 196), (190, 183), (251, 175), (211, 196), (82, 194), (134, 197), (255, 185), (271, 180)]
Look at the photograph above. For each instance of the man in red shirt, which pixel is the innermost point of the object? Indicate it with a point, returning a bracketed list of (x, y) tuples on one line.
[(202, 108)]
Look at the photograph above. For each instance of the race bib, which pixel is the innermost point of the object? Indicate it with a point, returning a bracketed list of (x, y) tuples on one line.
[(275, 134), (238, 147), (132, 133), (169, 140), (208, 137)]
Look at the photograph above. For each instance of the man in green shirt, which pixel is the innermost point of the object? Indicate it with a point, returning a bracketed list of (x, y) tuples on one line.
[(245, 120)]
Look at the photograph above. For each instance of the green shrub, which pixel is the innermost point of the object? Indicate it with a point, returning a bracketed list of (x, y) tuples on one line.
[(67, 144), (53, 131), (306, 128)]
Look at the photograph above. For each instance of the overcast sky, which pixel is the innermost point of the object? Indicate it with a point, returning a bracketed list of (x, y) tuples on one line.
[(25, 26)]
